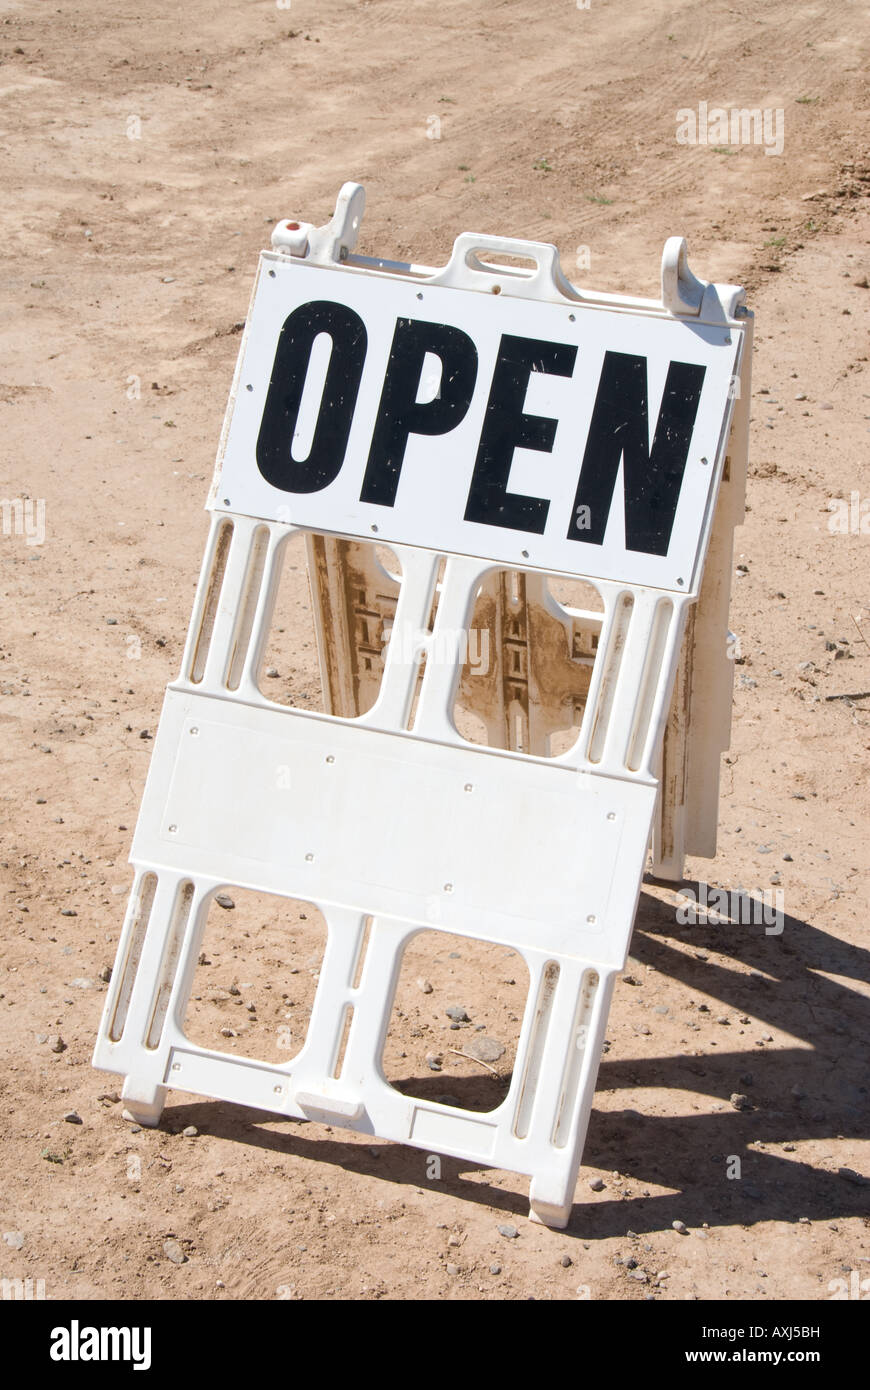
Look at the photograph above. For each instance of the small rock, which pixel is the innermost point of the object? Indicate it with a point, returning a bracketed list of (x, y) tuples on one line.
[(14, 1239), (433, 1061), (597, 1184), (644, 1029), (225, 901), (457, 1013), (72, 1117), (68, 912), (41, 1037), (788, 1148), (566, 1262), (740, 1102), (801, 395), (495, 1269), (173, 1251), (787, 858), (630, 1263), (228, 1033), (680, 1227), (508, 1231), (190, 1132), (453, 1269), (424, 986), (56, 1043), (143, 733), (106, 974), (453, 1240), (271, 672), (629, 980), (485, 1049), (639, 1275)]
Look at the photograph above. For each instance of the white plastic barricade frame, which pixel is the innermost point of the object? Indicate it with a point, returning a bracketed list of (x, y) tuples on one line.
[(478, 417)]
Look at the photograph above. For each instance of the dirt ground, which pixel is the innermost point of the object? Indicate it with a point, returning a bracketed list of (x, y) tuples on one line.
[(146, 153)]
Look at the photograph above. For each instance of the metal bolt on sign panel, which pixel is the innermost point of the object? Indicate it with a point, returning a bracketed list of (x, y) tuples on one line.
[(510, 720)]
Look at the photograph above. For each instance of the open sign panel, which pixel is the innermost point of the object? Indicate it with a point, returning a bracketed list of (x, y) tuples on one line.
[(531, 433)]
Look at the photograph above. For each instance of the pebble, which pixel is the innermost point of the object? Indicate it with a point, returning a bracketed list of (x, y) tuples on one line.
[(224, 900), (433, 1062), (424, 986), (41, 1037), (68, 912), (106, 974), (453, 1269), (272, 672), (485, 1049), (457, 1013), (453, 1240), (629, 980), (508, 1231), (597, 1184), (228, 1033), (680, 1227), (190, 1132), (14, 1239), (566, 1262), (72, 1117), (173, 1251), (56, 1043), (495, 1269)]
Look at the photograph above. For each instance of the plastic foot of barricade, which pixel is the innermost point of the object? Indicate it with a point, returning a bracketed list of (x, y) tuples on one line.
[(545, 1213), (143, 1102)]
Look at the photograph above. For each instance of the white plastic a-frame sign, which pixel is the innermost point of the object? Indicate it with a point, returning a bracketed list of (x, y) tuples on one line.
[(480, 418)]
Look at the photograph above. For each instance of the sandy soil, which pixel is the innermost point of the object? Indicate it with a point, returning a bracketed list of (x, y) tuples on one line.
[(146, 153)]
